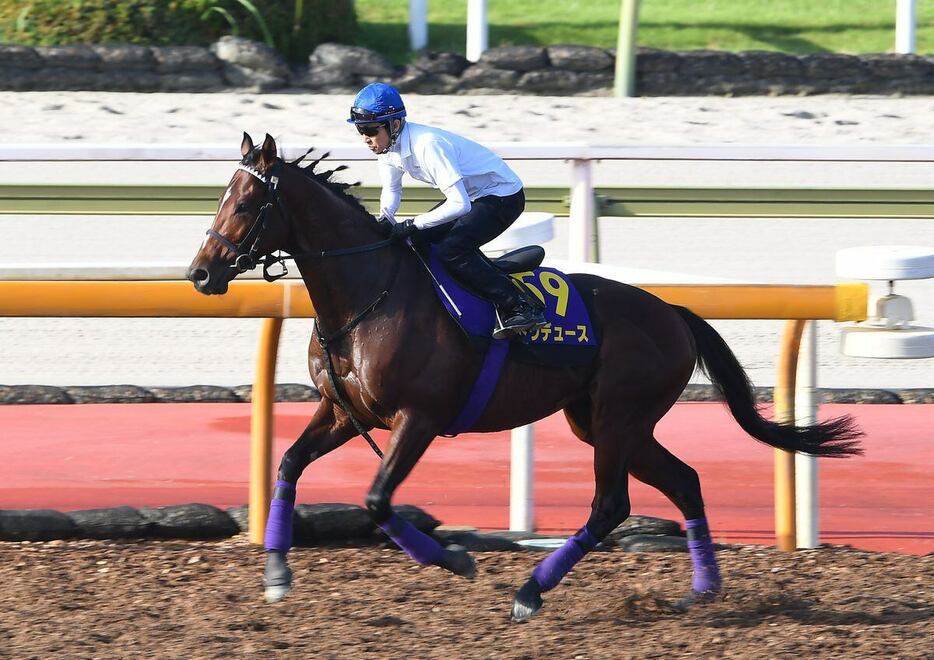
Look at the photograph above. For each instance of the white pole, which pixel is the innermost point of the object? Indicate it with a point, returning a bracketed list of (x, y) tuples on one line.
[(521, 471), (905, 19), (418, 24), (477, 29), (580, 243), (806, 402)]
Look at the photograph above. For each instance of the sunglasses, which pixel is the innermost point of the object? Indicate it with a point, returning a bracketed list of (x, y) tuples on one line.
[(369, 130)]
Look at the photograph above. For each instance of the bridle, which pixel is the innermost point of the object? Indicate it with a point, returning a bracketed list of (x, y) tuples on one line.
[(246, 252)]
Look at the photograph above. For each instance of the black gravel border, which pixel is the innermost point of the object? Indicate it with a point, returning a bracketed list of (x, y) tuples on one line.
[(326, 524), (49, 394)]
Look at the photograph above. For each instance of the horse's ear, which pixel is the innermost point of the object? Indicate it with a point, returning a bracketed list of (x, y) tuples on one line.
[(247, 145), (268, 151)]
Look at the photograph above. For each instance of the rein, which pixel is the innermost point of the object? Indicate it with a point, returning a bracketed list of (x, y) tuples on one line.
[(247, 259)]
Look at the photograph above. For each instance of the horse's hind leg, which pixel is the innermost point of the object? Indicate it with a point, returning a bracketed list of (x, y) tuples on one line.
[(654, 465), (328, 429), (610, 507)]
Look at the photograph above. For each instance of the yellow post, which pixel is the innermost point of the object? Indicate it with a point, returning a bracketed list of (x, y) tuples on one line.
[(261, 426), (785, 533)]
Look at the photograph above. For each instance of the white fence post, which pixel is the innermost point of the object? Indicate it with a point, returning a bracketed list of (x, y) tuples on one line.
[(580, 241), (477, 29), (521, 480), (806, 402), (905, 19), (418, 24)]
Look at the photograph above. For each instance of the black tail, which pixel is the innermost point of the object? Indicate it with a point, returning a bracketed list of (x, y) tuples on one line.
[(835, 437)]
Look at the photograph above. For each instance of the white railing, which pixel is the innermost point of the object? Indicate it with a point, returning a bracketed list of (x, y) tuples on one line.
[(581, 156)]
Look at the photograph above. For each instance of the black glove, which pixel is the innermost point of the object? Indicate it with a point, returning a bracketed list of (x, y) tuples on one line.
[(385, 225), (404, 229)]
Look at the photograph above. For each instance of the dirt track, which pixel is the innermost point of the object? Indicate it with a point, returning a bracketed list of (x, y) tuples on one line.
[(181, 599)]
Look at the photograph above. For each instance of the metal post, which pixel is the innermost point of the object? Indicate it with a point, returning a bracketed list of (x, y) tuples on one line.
[(806, 402), (905, 20), (261, 427), (582, 220), (521, 480), (785, 537), (625, 81), (477, 29), (418, 24)]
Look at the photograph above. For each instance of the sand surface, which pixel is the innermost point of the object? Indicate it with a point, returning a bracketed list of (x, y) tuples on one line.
[(179, 351)]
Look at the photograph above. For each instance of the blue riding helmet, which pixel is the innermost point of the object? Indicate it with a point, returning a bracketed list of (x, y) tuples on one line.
[(377, 102)]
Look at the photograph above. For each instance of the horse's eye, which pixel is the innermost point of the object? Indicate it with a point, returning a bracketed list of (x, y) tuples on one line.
[(241, 208)]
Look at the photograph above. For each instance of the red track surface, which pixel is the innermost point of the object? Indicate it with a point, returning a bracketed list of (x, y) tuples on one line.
[(84, 456)]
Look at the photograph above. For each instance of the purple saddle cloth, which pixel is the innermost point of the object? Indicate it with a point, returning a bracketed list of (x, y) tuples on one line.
[(569, 338), (568, 316)]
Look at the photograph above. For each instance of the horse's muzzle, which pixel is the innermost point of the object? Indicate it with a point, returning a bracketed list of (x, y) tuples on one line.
[(204, 283)]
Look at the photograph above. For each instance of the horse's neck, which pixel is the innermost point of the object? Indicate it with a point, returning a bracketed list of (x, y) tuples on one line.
[(340, 287)]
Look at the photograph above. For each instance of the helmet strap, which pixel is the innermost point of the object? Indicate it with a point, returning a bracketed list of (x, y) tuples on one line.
[(393, 135)]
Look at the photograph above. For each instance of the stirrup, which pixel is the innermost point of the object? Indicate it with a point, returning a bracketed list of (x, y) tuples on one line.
[(499, 330)]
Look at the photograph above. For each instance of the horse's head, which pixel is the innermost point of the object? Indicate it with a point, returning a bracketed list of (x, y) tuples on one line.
[(249, 223)]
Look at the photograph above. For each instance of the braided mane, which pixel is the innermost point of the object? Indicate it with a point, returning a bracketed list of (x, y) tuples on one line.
[(324, 178)]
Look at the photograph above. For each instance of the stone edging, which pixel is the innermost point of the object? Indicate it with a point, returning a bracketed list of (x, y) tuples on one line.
[(49, 394), (313, 525), (234, 63)]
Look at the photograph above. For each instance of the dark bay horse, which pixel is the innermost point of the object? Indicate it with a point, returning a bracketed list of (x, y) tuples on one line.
[(401, 363)]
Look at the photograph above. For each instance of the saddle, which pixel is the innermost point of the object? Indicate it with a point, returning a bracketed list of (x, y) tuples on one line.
[(524, 259)]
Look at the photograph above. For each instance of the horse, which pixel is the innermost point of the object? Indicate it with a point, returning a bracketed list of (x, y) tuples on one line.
[(385, 354)]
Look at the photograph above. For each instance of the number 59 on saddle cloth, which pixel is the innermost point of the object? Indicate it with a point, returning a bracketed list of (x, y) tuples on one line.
[(569, 338)]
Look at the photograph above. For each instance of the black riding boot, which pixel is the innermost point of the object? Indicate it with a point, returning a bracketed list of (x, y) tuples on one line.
[(521, 313)]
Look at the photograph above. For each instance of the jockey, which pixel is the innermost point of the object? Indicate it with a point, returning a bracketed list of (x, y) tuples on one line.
[(483, 197)]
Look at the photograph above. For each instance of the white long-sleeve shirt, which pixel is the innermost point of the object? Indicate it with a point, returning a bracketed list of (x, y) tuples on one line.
[(460, 168)]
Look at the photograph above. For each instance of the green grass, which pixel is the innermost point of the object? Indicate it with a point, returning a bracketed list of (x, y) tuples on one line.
[(794, 26)]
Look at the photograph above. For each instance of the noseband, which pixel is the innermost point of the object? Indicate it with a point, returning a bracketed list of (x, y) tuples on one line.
[(246, 252)]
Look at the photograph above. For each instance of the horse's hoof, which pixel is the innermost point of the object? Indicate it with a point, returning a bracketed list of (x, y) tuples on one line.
[(457, 560), (527, 602), (277, 578), (277, 593), (696, 598)]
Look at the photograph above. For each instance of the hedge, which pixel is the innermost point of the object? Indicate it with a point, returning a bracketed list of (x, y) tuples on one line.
[(294, 27)]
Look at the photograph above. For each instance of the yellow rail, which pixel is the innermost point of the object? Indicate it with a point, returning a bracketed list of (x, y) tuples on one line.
[(279, 300), (258, 299)]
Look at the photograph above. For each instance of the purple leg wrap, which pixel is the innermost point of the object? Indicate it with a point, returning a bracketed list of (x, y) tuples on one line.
[(706, 572), (556, 565), (417, 545), (279, 526)]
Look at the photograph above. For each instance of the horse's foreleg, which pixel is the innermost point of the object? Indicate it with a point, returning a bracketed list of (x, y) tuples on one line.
[(654, 465), (610, 507), (328, 429), (411, 436)]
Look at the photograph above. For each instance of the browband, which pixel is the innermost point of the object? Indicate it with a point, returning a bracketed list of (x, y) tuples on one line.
[(252, 170)]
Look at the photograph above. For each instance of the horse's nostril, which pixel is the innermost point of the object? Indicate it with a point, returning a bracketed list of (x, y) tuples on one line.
[(199, 276)]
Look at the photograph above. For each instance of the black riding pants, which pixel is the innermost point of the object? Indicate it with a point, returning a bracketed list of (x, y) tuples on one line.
[(459, 244)]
